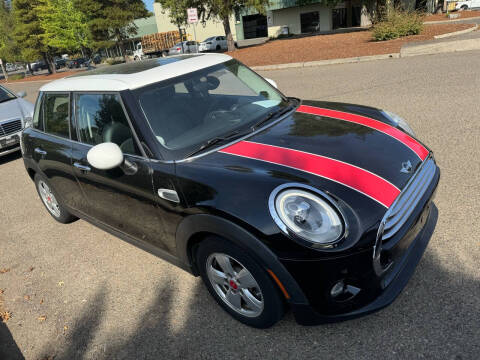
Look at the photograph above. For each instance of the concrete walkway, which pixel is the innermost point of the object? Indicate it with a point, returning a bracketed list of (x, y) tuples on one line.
[(463, 42)]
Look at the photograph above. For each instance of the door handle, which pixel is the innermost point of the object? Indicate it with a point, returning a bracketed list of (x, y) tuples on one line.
[(81, 167), (40, 151)]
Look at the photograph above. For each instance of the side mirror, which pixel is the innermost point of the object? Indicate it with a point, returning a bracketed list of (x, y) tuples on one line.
[(273, 83), (105, 156), (21, 94)]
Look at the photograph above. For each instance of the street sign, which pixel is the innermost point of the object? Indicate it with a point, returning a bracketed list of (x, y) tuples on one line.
[(192, 15)]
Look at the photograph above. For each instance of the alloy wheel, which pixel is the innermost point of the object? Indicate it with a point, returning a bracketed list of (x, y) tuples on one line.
[(48, 198), (234, 284)]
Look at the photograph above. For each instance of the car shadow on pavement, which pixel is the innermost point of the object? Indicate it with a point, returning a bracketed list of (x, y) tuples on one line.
[(8, 347), (10, 157), (436, 316)]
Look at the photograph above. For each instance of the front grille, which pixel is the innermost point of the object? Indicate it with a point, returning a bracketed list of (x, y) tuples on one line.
[(10, 127), (408, 199)]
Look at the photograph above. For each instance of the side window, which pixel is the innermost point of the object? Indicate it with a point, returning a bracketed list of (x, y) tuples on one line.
[(56, 110), (100, 118), (38, 115)]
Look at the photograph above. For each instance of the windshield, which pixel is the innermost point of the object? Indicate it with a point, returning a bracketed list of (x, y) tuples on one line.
[(209, 39), (5, 95), (187, 111)]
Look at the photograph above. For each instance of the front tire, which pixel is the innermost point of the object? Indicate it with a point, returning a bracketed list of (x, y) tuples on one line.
[(241, 286), (51, 200)]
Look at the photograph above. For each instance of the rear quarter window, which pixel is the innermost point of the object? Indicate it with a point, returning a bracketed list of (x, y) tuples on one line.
[(56, 113)]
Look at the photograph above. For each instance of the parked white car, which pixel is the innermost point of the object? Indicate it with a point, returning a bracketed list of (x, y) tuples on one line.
[(185, 47), (15, 113), (464, 5), (213, 43)]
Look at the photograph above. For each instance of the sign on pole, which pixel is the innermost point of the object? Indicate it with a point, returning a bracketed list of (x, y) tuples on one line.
[(192, 15), (192, 18)]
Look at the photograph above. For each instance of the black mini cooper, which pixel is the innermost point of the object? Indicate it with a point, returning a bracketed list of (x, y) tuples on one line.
[(323, 208)]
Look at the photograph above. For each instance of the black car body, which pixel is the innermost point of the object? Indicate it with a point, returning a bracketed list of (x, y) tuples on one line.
[(39, 65), (78, 63), (380, 181)]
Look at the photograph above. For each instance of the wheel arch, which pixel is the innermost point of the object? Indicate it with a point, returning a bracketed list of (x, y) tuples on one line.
[(195, 228), (31, 172)]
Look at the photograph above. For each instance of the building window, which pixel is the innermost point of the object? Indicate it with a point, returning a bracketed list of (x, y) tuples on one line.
[(310, 22), (255, 26)]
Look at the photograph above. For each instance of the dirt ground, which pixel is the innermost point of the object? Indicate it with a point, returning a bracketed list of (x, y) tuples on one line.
[(463, 15), (334, 46)]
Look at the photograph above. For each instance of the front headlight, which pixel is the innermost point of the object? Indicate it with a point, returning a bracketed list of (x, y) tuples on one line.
[(307, 216), (28, 121), (399, 121)]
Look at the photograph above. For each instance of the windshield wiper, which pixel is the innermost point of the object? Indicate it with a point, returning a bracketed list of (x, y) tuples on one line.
[(214, 141), (272, 115)]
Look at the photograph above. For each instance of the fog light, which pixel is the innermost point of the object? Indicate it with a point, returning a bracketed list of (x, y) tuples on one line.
[(337, 289), (342, 292)]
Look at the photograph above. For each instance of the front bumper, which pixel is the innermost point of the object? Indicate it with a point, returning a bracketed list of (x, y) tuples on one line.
[(308, 315), (9, 144), (372, 291)]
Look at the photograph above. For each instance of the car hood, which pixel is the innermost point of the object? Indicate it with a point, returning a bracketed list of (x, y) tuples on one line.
[(354, 153), (361, 137), (15, 109)]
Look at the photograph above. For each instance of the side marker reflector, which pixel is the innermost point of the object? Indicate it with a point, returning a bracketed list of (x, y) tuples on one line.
[(280, 285)]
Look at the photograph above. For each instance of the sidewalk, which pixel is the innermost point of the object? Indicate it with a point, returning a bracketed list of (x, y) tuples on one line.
[(463, 42)]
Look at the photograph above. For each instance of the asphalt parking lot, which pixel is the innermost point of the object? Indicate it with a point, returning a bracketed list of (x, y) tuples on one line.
[(75, 292)]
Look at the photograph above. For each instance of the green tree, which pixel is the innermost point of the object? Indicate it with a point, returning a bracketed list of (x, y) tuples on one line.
[(64, 26), (29, 33), (111, 21), (207, 9), (9, 51)]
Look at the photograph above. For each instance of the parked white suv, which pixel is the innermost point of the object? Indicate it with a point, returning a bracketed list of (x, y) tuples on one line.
[(213, 43)]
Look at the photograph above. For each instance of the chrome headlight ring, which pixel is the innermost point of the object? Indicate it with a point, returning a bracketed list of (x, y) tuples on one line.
[(308, 215)]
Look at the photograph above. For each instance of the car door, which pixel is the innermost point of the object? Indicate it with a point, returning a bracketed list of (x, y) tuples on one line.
[(52, 148), (121, 198), (223, 42)]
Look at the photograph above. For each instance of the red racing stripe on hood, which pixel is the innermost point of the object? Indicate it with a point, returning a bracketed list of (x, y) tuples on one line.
[(349, 175), (397, 134)]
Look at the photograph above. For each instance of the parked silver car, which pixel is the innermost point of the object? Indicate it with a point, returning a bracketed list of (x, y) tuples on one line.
[(15, 114), (184, 47)]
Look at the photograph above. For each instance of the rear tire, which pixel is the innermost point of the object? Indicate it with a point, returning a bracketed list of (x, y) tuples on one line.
[(218, 47), (243, 288), (52, 201)]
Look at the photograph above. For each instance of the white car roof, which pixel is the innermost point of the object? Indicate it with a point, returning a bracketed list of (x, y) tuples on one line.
[(137, 74)]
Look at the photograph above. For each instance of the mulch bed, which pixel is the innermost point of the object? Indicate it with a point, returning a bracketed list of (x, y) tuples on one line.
[(325, 47), (46, 77), (463, 15)]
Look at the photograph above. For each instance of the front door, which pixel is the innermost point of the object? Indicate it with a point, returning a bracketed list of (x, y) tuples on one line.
[(122, 198)]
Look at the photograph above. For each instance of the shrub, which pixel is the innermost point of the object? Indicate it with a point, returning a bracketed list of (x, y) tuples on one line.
[(397, 24), (16, 77), (115, 61)]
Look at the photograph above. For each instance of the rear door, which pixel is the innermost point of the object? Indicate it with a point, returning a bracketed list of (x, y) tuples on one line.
[(52, 148), (122, 198)]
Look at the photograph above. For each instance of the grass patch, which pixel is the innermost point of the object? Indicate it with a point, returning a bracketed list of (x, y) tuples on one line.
[(397, 24), (16, 77)]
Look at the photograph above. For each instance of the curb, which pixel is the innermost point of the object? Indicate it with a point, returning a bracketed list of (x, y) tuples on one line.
[(327, 62), (455, 33), (26, 82), (449, 21), (442, 47)]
